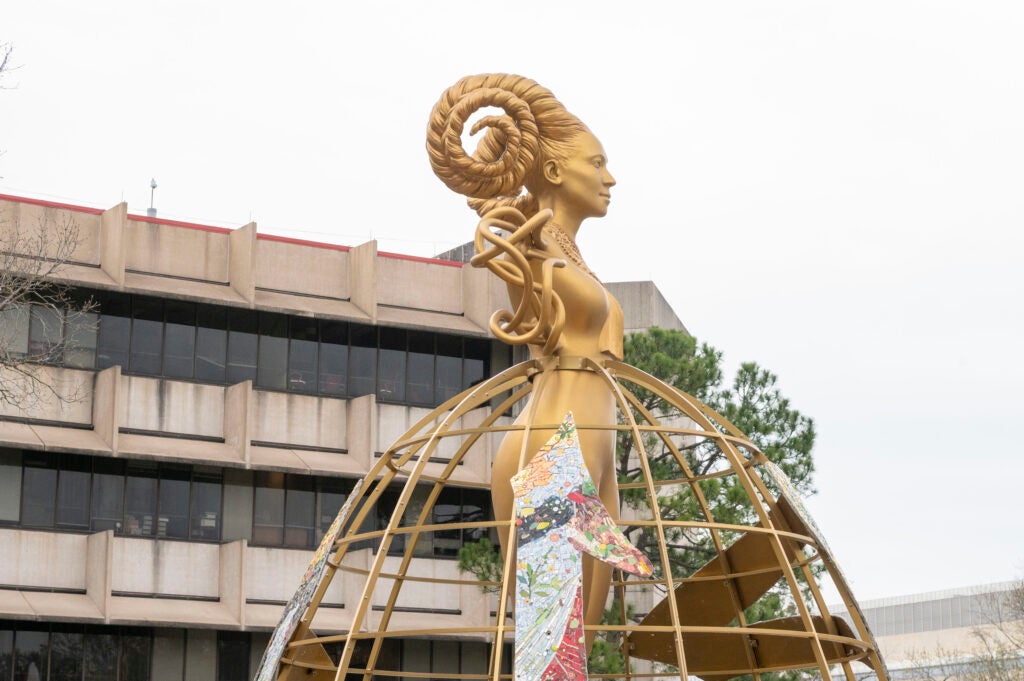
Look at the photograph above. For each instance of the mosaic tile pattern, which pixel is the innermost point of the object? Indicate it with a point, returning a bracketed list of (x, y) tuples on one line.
[(558, 516)]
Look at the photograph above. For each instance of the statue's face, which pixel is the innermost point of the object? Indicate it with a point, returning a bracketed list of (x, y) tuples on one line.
[(586, 183)]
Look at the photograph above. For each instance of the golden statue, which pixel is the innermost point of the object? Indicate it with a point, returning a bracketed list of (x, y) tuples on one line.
[(563, 311), (536, 174)]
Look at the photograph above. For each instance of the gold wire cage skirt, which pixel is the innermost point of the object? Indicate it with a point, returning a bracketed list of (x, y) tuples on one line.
[(694, 619)]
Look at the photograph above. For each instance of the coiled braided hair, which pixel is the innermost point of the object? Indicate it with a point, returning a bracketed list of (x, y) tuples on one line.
[(534, 128)]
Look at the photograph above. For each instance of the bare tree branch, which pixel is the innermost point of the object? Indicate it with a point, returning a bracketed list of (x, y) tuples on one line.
[(999, 651), (42, 322), (5, 59)]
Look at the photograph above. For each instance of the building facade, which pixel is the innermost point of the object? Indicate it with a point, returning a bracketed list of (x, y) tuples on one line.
[(208, 420), (965, 633)]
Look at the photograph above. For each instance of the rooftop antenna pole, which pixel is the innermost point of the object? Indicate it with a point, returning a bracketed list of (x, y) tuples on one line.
[(151, 211)]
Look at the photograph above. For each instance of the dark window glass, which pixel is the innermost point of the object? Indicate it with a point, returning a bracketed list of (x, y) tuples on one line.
[(448, 380), (179, 339), (476, 507), (66, 656), (45, 331), (135, 652), (391, 365), (101, 652), (475, 657), (10, 486), (448, 509), (6, 653), (333, 357), (331, 498), (107, 495), (478, 353), (38, 492), (232, 656), (268, 509), (147, 335), (362, 363), (14, 329), (211, 343), (115, 331), (506, 658), (206, 493), (299, 511), (73, 485), (80, 341), (302, 351), (174, 503), (424, 545), (273, 358), (421, 368), (444, 657), (242, 342), (30, 654), (140, 500), (385, 509)]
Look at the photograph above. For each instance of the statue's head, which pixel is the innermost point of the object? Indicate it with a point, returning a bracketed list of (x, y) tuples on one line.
[(536, 145), (577, 182)]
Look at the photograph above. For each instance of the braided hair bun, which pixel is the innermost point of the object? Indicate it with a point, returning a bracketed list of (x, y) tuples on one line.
[(533, 128)]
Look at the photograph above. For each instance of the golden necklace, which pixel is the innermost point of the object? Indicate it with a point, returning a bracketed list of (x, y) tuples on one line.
[(568, 247)]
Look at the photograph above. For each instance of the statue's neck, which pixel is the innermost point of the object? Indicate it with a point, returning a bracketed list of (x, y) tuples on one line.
[(563, 217)]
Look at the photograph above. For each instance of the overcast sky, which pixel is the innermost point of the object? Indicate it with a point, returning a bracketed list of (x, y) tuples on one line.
[(835, 191)]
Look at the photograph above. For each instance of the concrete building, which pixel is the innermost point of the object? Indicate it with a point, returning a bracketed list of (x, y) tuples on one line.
[(940, 634), (233, 387)]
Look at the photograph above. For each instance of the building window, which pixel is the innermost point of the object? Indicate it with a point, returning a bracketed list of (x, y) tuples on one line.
[(66, 651), (173, 502), (107, 495), (303, 340), (115, 331), (135, 498), (268, 509), (391, 368), (242, 344), (272, 364), (73, 652), (73, 483), (330, 497), (14, 329), (295, 510), (205, 512), (147, 338), (362, 360), (46, 330), (48, 334), (140, 495), (211, 343), (453, 505), (177, 339), (31, 652), (233, 656), (38, 490), (333, 358)]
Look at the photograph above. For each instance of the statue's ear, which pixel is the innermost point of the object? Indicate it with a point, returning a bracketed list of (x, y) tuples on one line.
[(552, 173)]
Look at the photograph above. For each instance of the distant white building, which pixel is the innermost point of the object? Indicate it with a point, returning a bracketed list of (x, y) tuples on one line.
[(936, 634)]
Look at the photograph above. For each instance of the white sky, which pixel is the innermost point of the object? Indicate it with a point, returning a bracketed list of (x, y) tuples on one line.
[(831, 190)]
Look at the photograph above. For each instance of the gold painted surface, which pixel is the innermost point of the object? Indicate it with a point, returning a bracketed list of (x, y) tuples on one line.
[(535, 176)]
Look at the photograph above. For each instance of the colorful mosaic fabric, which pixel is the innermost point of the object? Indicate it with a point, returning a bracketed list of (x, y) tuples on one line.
[(558, 515)]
